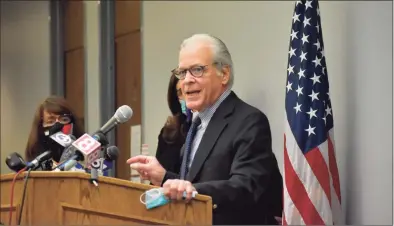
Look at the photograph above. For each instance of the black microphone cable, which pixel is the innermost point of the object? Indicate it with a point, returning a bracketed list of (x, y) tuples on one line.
[(23, 196)]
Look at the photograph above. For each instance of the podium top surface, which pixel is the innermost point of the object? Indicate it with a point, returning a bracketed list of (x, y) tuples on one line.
[(80, 175)]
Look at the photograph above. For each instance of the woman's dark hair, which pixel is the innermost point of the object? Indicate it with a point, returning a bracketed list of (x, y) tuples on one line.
[(54, 105), (174, 128)]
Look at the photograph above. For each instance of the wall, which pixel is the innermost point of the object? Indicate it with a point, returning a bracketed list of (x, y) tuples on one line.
[(25, 70), (358, 47)]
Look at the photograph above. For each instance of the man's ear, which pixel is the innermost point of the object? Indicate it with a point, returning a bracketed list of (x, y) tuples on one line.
[(225, 73)]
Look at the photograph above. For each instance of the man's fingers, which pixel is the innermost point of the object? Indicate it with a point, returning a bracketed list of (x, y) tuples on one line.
[(180, 190), (138, 158), (174, 189), (166, 188), (140, 167), (189, 192)]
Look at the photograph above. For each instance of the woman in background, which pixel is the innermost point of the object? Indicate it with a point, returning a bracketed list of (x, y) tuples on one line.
[(173, 135), (52, 115)]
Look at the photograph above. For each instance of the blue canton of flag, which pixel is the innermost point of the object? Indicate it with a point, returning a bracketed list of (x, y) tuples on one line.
[(311, 193), (308, 104)]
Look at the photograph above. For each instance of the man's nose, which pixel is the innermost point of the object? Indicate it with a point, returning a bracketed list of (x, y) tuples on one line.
[(189, 77)]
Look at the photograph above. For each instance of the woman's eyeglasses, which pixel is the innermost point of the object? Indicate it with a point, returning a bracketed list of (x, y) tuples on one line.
[(63, 119)]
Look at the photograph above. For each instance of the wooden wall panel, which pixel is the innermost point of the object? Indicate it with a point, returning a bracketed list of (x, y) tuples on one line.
[(74, 59), (128, 76), (75, 82), (127, 17), (128, 91), (73, 25)]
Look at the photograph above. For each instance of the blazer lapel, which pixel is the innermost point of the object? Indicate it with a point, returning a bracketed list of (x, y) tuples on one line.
[(215, 127)]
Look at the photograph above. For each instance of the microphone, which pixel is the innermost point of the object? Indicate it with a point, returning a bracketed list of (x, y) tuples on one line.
[(87, 148), (111, 153), (15, 162), (122, 114), (95, 167), (62, 139), (39, 159)]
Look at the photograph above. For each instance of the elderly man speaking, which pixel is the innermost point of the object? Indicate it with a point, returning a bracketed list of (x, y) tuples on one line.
[(227, 154)]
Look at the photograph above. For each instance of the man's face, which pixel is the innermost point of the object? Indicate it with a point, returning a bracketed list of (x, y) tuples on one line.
[(201, 92)]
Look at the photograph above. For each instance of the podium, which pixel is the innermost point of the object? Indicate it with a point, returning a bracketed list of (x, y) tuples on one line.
[(68, 198)]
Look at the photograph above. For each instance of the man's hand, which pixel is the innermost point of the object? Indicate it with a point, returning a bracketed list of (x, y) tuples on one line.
[(174, 189), (148, 167)]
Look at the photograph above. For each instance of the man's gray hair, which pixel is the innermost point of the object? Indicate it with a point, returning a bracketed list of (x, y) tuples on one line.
[(221, 55)]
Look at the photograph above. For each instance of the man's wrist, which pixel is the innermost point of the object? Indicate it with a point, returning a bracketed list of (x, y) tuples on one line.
[(164, 178)]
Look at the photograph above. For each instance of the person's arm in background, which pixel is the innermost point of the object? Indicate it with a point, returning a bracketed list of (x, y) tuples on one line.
[(160, 146)]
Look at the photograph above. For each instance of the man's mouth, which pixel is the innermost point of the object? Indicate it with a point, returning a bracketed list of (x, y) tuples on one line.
[(193, 92)]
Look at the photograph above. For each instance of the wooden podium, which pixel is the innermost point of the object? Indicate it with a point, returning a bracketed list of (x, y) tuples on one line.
[(68, 198)]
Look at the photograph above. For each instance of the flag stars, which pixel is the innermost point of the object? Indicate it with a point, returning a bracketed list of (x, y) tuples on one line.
[(308, 4), (317, 27), (298, 108), (323, 70), (301, 73), (317, 61), (310, 130), (328, 110), (292, 52), (312, 113), (296, 17), (317, 44), (293, 35), (318, 11), (303, 56), (299, 91), (290, 69), (298, 2), (304, 38), (315, 78), (313, 95), (288, 87), (306, 21), (325, 119), (322, 53)]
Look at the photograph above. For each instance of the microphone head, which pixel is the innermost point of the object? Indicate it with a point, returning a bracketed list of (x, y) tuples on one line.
[(15, 162), (112, 153), (123, 114)]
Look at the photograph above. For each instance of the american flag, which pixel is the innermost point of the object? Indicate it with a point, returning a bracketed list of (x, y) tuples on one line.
[(311, 193)]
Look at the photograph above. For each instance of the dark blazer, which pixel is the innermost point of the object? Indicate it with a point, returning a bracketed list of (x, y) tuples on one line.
[(235, 165)]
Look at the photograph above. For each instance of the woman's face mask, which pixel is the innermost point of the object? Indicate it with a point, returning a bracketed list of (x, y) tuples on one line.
[(183, 106)]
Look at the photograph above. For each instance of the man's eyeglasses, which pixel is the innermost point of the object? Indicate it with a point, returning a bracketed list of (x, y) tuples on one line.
[(195, 71), (63, 119)]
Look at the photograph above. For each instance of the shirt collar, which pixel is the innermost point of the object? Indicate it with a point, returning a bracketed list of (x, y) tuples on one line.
[(207, 113)]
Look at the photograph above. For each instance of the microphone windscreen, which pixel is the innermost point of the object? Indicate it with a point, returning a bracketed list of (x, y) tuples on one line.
[(15, 162), (112, 153)]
